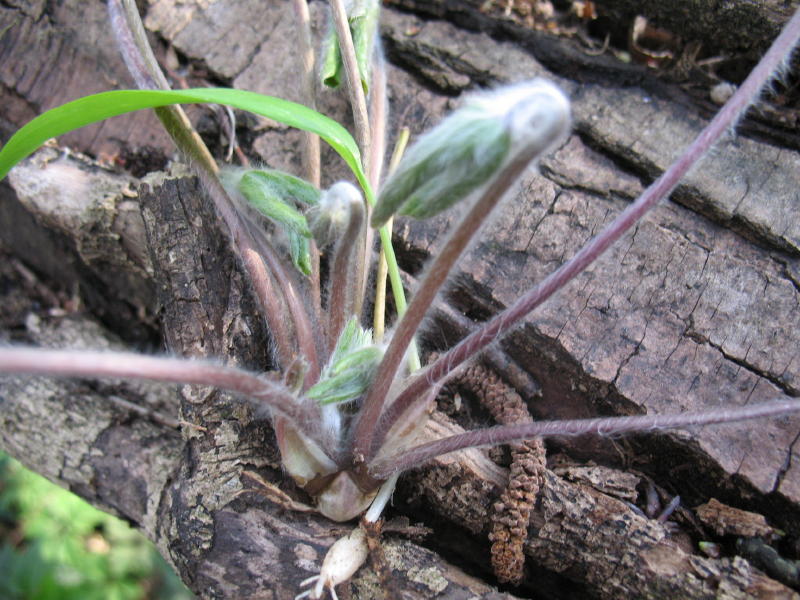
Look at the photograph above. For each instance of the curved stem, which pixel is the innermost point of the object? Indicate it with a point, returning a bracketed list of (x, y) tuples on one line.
[(348, 260), (736, 106), (73, 363), (311, 144), (262, 282), (139, 57), (300, 318), (496, 436), (435, 276), (143, 66)]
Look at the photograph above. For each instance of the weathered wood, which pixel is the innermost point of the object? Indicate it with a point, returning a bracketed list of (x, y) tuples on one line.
[(79, 225), (50, 54), (736, 26), (684, 314)]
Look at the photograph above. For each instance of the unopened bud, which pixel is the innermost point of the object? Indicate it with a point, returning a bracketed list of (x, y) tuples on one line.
[(464, 152), (329, 218)]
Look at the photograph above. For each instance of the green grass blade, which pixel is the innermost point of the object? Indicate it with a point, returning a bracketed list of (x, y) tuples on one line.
[(98, 107)]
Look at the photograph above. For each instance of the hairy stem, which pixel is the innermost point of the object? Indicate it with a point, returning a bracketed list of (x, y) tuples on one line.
[(358, 101), (311, 143), (348, 260), (496, 436), (311, 150), (288, 291), (435, 276), (257, 388), (138, 55), (262, 282), (377, 149), (143, 66), (736, 106)]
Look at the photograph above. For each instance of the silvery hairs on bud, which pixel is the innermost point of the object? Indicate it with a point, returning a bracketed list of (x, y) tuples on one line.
[(329, 218), (463, 153)]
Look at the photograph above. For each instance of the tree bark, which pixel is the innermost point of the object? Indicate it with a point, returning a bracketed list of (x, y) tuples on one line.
[(697, 308)]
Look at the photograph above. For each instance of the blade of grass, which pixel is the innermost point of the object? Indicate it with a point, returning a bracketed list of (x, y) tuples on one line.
[(98, 107)]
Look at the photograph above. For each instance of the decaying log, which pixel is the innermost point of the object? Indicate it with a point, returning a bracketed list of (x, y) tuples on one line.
[(697, 308)]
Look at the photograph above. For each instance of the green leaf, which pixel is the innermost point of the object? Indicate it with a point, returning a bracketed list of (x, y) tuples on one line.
[(287, 186), (332, 67), (270, 195), (271, 203), (363, 21), (351, 367), (98, 107), (356, 359), (362, 18), (300, 251)]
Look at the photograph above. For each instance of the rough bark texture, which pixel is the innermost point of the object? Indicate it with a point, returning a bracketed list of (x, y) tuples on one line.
[(697, 308)]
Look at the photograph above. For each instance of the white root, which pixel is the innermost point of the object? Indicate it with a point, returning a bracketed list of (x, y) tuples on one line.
[(347, 554), (344, 558)]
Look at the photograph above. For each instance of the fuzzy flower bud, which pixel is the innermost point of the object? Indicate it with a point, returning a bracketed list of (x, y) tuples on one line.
[(464, 152), (329, 218)]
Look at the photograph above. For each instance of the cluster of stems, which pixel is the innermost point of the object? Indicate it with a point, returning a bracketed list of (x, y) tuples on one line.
[(387, 405)]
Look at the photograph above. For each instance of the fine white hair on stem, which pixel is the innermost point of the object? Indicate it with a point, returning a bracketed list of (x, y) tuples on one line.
[(470, 346), (546, 113), (303, 414), (603, 426)]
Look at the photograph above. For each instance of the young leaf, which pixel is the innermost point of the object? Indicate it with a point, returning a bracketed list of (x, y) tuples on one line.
[(287, 186), (351, 367), (98, 107), (267, 193), (332, 61), (363, 20), (362, 17)]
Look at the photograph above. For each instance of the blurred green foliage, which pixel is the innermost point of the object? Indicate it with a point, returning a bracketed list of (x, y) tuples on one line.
[(53, 545)]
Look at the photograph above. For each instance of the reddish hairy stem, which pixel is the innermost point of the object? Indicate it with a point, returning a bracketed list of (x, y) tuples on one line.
[(311, 144), (496, 436), (139, 58), (349, 259), (377, 149), (302, 323), (262, 283), (434, 278), (72, 363), (735, 107)]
